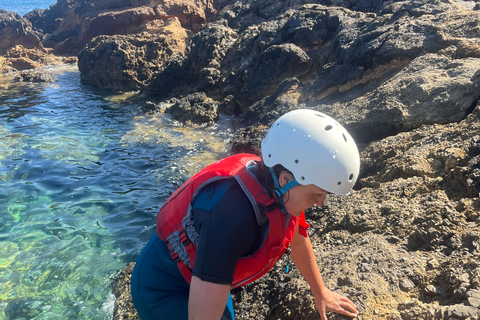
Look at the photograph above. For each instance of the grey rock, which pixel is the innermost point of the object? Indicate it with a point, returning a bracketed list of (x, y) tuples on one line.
[(195, 108)]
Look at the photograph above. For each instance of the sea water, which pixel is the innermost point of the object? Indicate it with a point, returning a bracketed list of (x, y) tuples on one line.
[(23, 6), (82, 177)]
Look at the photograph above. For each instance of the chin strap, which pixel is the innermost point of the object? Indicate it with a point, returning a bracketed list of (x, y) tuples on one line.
[(280, 191)]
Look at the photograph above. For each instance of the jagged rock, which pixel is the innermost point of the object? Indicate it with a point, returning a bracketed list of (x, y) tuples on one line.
[(70, 24), (16, 31), (198, 70), (20, 46), (130, 60)]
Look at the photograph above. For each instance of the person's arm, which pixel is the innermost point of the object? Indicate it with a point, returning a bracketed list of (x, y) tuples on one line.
[(207, 299), (304, 258)]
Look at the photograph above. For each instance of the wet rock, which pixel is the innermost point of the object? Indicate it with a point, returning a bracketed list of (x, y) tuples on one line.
[(124, 308), (196, 108), (35, 76)]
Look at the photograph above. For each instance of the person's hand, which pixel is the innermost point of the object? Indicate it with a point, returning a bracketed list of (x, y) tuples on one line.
[(331, 301)]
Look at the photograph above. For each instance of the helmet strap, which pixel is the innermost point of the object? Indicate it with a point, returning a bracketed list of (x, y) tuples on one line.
[(280, 191)]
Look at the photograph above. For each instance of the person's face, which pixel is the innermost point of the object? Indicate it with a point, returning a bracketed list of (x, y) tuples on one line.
[(302, 197)]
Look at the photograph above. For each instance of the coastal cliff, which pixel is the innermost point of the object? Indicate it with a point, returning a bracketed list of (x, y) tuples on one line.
[(402, 76)]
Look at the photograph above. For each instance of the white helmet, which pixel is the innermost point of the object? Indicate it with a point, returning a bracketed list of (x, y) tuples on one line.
[(315, 148)]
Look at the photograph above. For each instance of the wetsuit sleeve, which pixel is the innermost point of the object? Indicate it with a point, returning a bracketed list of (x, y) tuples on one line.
[(225, 221), (303, 225)]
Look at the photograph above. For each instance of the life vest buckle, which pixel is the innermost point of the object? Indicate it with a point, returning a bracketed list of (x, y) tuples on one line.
[(268, 206)]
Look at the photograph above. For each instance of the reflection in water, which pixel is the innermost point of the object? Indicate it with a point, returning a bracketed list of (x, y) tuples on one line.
[(83, 175)]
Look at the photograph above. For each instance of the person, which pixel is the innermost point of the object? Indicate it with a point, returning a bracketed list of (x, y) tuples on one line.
[(231, 222)]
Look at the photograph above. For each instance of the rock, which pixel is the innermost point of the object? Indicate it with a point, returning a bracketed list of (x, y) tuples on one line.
[(20, 45), (406, 285), (199, 69), (461, 312), (70, 24), (130, 60), (124, 308), (35, 76), (16, 31), (473, 298), (196, 108), (403, 77)]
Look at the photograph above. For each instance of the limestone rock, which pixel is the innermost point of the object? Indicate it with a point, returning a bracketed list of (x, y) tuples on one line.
[(130, 60), (70, 24), (196, 108), (16, 31)]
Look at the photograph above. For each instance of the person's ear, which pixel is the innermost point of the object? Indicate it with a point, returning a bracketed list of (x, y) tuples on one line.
[(284, 178)]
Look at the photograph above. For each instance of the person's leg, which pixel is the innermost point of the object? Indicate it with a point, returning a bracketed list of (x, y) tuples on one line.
[(158, 288), (228, 314)]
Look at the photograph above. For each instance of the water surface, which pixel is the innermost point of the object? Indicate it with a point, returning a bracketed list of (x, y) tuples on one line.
[(82, 176)]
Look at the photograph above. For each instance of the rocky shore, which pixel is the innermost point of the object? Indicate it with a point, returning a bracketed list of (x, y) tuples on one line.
[(404, 78)]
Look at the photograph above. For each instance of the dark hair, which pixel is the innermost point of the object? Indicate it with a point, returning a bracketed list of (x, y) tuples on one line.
[(262, 172)]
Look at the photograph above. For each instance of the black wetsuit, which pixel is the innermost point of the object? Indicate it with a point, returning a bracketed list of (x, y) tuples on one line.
[(228, 229)]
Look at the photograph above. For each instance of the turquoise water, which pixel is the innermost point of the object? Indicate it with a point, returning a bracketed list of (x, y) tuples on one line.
[(82, 176), (23, 6)]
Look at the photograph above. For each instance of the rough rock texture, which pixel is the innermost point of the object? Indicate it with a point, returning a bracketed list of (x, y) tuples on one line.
[(130, 60), (404, 245), (69, 25), (194, 109), (403, 76), (198, 69), (20, 45), (15, 30), (124, 308)]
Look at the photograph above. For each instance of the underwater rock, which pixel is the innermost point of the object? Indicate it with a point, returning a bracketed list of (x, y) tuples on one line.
[(34, 76)]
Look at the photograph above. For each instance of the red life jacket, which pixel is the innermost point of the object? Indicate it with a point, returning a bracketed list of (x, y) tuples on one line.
[(172, 216)]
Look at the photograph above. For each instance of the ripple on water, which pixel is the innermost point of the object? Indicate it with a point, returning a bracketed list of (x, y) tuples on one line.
[(83, 176)]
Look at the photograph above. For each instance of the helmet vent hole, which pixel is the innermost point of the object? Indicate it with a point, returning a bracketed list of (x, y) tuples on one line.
[(270, 155), (339, 182), (350, 177), (344, 137), (296, 161), (320, 115), (328, 128), (302, 178)]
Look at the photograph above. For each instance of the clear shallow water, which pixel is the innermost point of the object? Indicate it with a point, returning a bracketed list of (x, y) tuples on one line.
[(82, 176), (23, 6)]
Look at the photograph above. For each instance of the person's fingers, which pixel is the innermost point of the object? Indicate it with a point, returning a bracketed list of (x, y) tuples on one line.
[(323, 315), (348, 304), (348, 309)]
